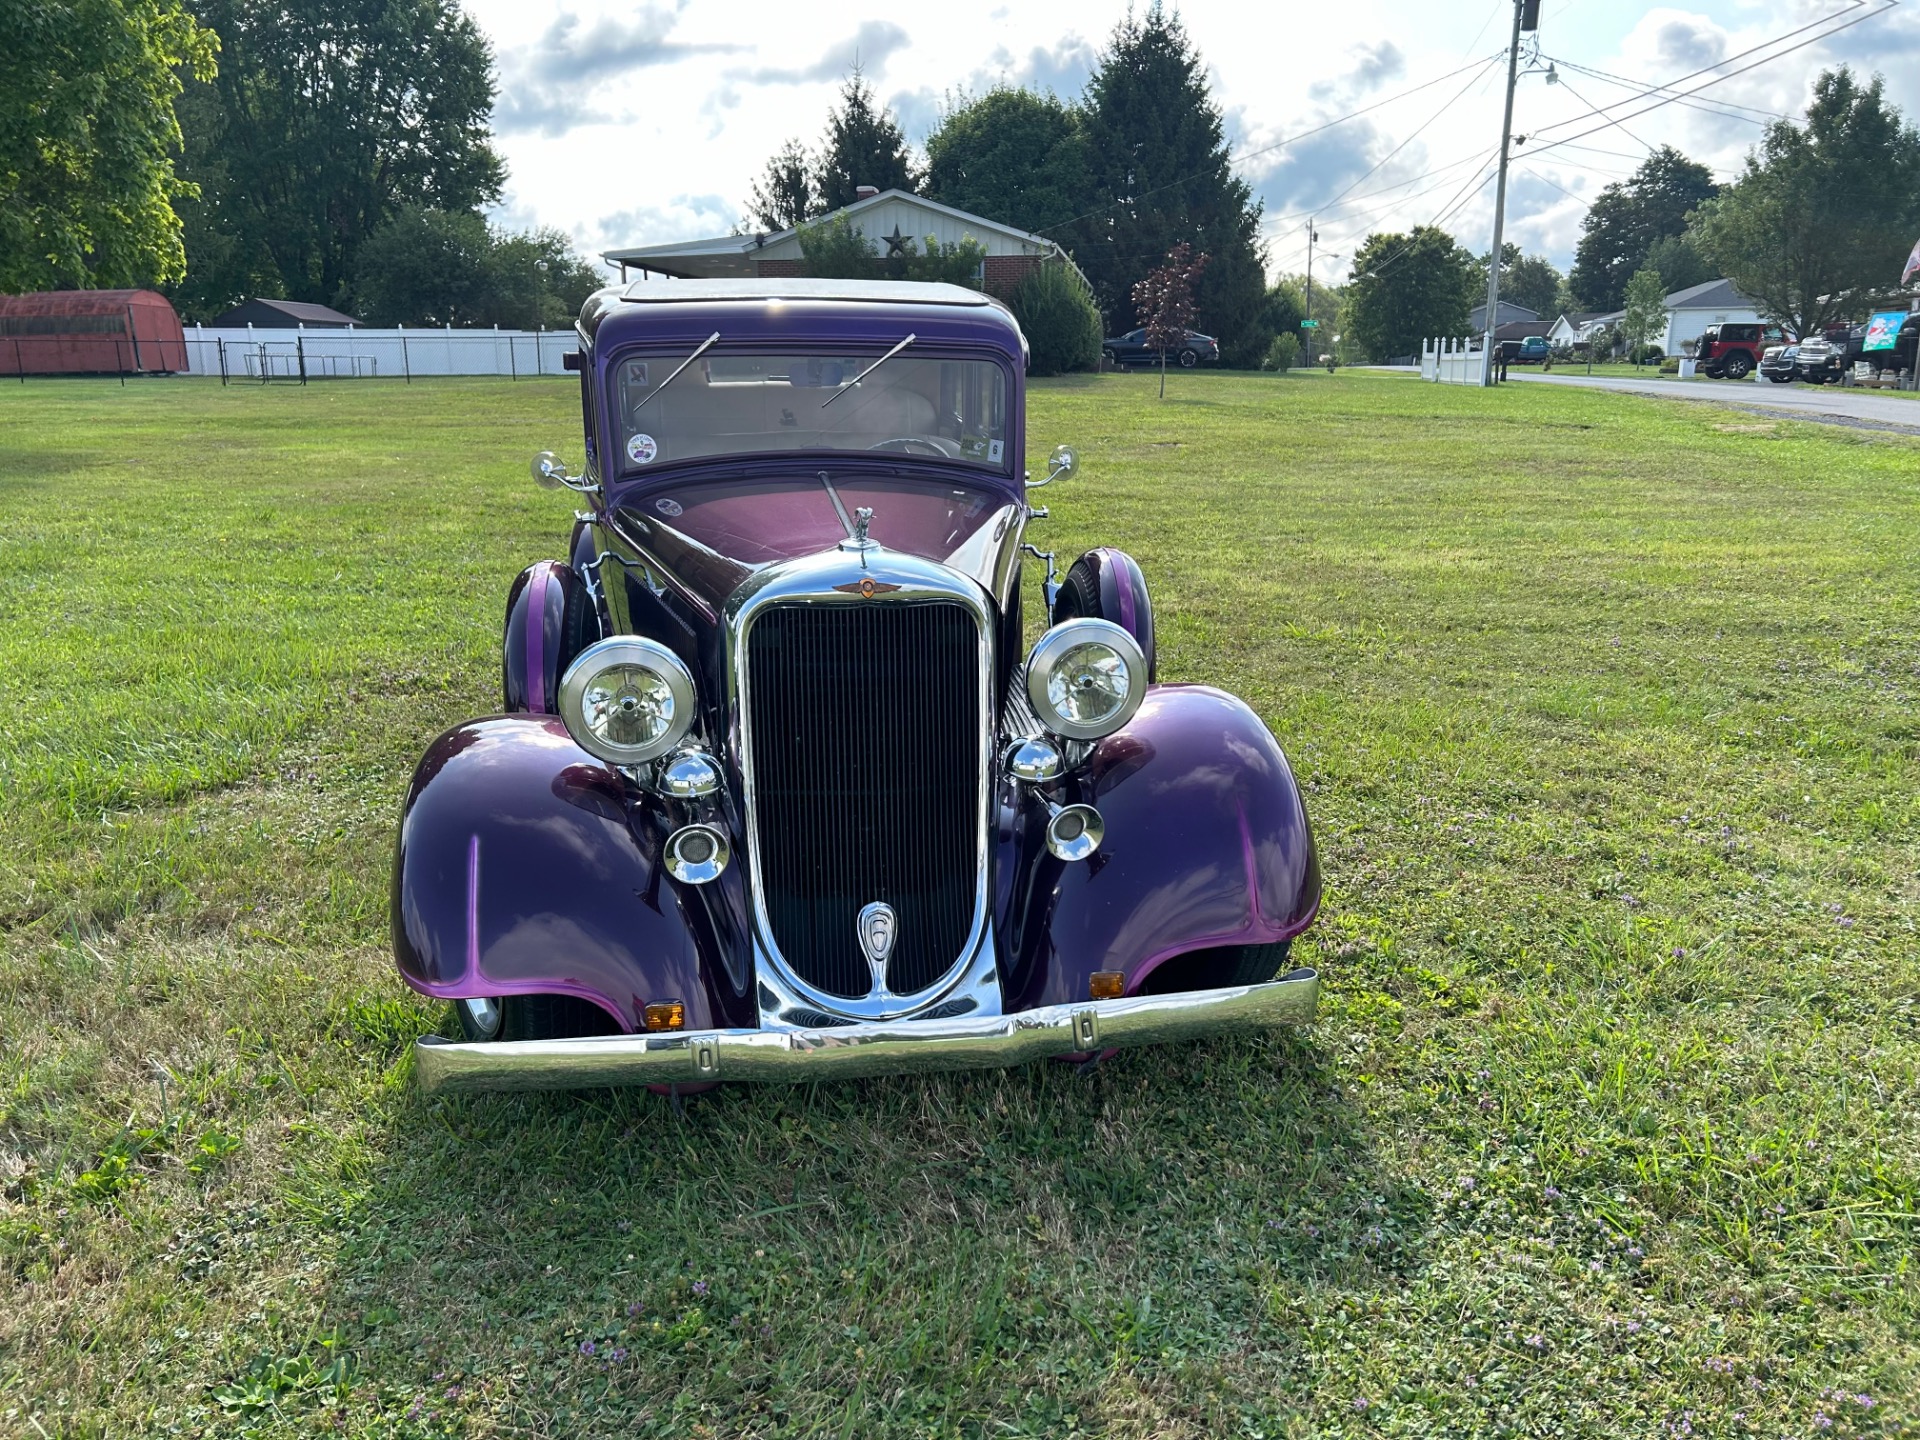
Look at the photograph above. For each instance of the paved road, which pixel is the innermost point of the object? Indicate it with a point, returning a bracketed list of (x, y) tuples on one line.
[(1828, 404)]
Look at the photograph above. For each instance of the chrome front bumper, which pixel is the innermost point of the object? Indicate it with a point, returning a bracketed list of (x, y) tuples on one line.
[(876, 1048)]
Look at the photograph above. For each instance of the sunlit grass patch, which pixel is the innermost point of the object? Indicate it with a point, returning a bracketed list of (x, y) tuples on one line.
[(1605, 712)]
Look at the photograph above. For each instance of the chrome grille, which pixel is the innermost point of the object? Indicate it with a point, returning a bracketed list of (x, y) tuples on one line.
[(865, 740)]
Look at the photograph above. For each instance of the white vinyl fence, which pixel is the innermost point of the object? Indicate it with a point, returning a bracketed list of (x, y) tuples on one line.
[(1451, 362), (238, 356)]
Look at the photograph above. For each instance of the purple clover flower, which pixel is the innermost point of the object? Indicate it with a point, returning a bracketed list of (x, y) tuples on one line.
[(586, 1347), (700, 1287)]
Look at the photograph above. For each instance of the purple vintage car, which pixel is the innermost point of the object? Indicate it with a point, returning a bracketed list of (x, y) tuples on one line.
[(779, 791)]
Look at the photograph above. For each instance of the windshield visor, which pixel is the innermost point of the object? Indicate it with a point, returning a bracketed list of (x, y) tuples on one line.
[(762, 404)]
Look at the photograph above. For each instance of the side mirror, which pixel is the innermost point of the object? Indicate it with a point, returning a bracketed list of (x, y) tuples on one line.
[(549, 472), (1063, 464)]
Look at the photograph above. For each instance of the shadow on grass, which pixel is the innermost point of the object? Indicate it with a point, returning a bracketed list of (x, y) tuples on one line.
[(1028, 1223)]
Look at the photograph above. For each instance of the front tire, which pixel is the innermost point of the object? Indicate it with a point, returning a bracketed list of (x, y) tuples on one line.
[(1219, 968), (531, 1017)]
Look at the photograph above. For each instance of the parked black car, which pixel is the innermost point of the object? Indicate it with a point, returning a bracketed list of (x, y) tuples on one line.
[(1778, 363), (1132, 349), (1824, 359)]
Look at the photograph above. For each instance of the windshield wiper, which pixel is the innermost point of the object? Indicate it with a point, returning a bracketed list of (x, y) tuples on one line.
[(705, 345), (864, 373)]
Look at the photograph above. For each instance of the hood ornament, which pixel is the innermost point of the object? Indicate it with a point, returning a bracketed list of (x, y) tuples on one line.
[(862, 518), (877, 928)]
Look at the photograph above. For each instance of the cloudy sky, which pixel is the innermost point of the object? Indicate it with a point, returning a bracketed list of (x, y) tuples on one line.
[(638, 123)]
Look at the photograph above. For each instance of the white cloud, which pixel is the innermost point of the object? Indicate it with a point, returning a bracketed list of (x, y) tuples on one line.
[(627, 124)]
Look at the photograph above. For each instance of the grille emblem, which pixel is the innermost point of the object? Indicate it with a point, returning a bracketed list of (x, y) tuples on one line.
[(877, 928)]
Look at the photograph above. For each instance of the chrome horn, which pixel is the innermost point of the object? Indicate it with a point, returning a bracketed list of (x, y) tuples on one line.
[(1075, 831)]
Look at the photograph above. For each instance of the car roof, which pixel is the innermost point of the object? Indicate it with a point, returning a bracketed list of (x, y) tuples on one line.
[(798, 310)]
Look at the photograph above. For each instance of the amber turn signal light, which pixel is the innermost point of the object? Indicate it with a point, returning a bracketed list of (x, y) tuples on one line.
[(671, 1015), (1106, 984)]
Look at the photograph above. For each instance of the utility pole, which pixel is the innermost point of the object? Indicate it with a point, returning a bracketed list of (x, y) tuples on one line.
[(1526, 16), (1306, 323)]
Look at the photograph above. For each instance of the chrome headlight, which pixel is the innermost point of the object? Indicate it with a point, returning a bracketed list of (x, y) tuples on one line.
[(1086, 678), (627, 700)]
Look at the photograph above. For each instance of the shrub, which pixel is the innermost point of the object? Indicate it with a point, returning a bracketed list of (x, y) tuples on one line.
[(1283, 353), (1057, 314), (1670, 365), (1647, 355)]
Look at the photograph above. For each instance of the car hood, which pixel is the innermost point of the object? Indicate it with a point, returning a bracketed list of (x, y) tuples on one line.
[(709, 536)]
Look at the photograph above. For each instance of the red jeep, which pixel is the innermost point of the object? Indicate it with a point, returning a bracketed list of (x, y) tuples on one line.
[(1732, 351)]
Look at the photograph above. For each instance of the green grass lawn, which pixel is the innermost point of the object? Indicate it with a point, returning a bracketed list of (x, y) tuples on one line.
[(1606, 710)]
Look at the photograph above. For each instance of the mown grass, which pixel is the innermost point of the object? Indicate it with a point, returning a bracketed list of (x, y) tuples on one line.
[(1611, 1124)]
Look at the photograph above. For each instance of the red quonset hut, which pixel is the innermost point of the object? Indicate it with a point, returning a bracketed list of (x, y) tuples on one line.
[(90, 332)]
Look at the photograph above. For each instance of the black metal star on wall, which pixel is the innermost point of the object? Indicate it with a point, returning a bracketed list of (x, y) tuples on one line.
[(896, 242)]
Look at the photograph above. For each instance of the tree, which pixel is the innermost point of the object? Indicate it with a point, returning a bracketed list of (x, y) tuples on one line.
[(326, 118), (440, 267), (1646, 311), (1159, 175), (87, 137), (783, 196), (1525, 280), (1164, 301), (1012, 155), (1680, 262), (1626, 219), (1406, 289), (1533, 282), (1057, 315), (535, 279), (863, 146), (1817, 225)]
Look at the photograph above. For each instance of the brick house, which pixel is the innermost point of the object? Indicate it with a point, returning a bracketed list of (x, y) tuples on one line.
[(886, 217)]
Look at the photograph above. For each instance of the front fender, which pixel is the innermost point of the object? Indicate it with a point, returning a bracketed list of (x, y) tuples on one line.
[(526, 866), (1207, 844)]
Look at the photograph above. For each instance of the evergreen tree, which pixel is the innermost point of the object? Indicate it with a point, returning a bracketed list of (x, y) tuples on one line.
[(1160, 175), (1627, 219), (863, 146), (1012, 155), (783, 197)]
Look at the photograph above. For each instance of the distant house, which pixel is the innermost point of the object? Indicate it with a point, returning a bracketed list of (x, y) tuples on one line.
[(1521, 329), (281, 315), (1574, 328), (1509, 314), (1692, 310), (890, 220)]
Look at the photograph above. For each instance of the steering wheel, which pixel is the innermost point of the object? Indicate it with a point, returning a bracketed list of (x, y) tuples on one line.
[(905, 445)]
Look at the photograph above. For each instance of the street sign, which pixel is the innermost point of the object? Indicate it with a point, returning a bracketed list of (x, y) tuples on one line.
[(1309, 324)]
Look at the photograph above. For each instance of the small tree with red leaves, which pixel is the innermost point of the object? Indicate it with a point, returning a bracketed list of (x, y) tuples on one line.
[(1164, 302)]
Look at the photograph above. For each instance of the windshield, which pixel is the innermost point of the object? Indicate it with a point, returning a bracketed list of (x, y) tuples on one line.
[(762, 403)]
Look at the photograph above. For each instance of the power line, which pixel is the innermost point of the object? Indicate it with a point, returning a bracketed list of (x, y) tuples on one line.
[(1594, 109), (1408, 141), (1680, 96), (1646, 89), (1247, 155)]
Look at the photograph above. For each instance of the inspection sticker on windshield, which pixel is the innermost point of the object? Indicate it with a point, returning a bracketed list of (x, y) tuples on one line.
[(641, 449), (668, 506)]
